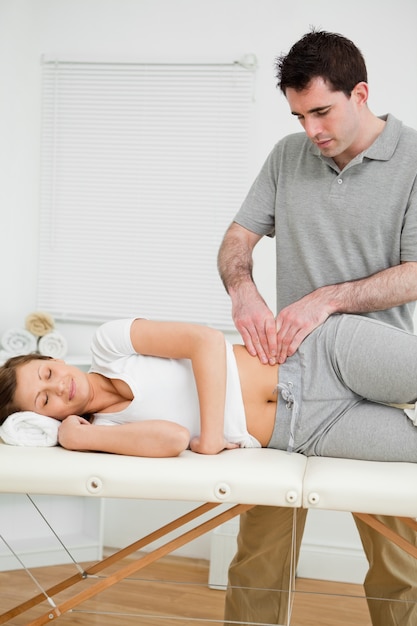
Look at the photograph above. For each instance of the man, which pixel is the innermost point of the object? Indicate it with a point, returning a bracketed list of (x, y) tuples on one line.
[(341, 200)]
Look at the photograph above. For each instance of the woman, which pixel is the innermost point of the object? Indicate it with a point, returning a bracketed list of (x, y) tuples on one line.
[(167, 386)]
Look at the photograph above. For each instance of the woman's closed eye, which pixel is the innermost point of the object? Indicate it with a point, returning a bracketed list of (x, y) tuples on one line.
[(45, 373)]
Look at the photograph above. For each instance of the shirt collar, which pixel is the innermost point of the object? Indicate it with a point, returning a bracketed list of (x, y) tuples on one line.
[(382, 149)]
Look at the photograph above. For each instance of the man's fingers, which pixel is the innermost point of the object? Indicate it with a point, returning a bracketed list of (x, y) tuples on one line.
[(291, 342), (271, 340), (256, 324), (254, 343)]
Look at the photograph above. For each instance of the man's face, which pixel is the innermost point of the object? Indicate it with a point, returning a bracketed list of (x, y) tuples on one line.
[(330, 119)]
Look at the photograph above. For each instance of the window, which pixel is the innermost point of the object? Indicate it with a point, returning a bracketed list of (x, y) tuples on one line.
[(143, 168)]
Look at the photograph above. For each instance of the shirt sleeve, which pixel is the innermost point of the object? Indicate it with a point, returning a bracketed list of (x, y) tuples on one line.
[(409, 231), (257, 212), (111, 342)]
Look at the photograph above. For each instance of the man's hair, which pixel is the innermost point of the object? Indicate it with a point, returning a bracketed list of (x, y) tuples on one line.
[(8, 382), (331, 56)]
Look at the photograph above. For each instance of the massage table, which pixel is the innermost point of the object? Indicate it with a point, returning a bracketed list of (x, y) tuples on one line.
[(238, 479)]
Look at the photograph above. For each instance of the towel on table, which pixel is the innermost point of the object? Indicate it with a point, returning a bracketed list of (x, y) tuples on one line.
[(26, 428), (409, 409), (411, 412), (17, 341), (53, 344)]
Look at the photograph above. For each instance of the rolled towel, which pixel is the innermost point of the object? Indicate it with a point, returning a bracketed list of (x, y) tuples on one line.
[(53, 344), (17, 341), (27, 428)]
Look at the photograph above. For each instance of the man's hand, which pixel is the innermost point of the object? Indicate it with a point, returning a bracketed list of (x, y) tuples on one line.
[(388, 288), (298, 320), (252, 317), (256, 324)]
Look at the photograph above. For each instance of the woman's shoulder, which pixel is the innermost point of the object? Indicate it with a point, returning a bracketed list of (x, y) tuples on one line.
[(112, 340)]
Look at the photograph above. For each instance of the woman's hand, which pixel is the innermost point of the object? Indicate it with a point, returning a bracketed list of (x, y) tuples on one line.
[(69, 435), (197, 444)]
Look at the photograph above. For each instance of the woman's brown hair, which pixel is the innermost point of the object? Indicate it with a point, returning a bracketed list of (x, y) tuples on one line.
[(8, 382)]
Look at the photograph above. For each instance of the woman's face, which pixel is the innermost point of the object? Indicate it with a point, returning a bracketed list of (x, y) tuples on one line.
[(51, 387)]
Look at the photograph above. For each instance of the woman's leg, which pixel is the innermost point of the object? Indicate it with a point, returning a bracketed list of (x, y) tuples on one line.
[(369, 431), (376, 361)]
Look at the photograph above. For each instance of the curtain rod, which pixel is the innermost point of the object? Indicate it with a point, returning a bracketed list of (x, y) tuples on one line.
[(247, 61)]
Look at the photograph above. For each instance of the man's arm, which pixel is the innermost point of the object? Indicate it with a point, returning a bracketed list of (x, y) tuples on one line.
[(252, 317), (272, 341), (386, 289)]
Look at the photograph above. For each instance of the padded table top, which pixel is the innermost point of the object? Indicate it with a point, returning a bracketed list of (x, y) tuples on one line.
[(361, 486), (243, 476)]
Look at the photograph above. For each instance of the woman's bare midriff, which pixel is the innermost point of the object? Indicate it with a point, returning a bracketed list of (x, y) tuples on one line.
[(258, 383)]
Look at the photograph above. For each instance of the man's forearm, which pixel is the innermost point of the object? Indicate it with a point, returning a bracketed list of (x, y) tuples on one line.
[(235, 261), (251, 315), (235, 265), (383, 290), (391, 287)]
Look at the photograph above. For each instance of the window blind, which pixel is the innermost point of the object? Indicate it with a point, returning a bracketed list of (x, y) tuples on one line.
[(143, 168)]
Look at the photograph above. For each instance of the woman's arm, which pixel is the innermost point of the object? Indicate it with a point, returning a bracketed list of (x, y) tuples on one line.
[(206, 349), (156, 438)]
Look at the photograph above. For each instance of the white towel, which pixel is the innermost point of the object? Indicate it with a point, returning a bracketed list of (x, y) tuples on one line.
[(53, 344), (409, 409), (411, 413), (27, 428), (17, 341)]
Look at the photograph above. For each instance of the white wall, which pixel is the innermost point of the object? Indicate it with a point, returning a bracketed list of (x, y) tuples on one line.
[(170, 30)]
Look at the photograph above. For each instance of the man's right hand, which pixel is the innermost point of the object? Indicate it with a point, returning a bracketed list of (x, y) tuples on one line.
[(252, 317), (256, 324)]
